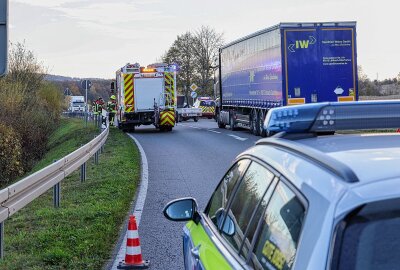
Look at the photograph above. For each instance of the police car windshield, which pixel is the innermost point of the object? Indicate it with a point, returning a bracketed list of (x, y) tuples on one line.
[(207, 103), (371, 239)]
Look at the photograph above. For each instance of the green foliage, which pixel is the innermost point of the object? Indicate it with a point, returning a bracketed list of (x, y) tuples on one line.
[(100, 88), (82, 232), (10, 154), (28, 105)]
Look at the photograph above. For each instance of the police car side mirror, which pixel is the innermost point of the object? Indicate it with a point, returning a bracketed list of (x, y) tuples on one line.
[(183, 209)]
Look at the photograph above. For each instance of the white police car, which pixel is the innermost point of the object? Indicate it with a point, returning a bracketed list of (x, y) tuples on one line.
[(305, 198)]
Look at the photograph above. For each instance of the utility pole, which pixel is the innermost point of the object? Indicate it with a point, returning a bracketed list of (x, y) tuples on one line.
[(86, 84)]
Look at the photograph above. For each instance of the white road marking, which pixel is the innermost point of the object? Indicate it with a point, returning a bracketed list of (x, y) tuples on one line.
[(237, 137), (195, 127), (140, 200), (214, 131)]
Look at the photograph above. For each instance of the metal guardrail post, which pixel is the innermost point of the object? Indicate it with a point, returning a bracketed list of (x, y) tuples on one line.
[(83, 172), (2, 240), (57, 195), (96, 158)]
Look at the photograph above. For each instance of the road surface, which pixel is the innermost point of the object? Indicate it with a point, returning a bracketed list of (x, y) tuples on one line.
[(189, 161)]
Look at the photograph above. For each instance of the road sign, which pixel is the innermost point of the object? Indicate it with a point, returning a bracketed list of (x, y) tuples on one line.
[(3, 37), (86, 84), (193, 87), (339, 90), (193, 94)]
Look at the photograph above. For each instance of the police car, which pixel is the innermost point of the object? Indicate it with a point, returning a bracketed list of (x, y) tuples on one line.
[(307, 197)]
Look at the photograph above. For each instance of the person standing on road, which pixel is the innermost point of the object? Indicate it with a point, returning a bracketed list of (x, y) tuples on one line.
[(112, 109)]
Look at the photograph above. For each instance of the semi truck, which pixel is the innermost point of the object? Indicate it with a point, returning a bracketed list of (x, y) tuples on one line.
[(77, 104), (146, 96), (287, 64)]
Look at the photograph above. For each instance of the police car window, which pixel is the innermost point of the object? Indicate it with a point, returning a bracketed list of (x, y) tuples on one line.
[(250, 192), (371, 239), (207, 103), (280, 228), (222, 193)]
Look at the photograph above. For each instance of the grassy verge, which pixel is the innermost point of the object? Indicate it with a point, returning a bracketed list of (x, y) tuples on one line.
[(80, 234)]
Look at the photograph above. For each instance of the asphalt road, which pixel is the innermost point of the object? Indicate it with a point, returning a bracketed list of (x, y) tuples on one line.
[(189, 161)]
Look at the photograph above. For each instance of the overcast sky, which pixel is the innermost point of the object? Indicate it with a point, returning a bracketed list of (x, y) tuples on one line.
[(93, 38)]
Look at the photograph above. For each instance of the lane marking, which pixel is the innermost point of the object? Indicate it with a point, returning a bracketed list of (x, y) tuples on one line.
[(140, 200), (237, 137), (214, 131), (195, 127)]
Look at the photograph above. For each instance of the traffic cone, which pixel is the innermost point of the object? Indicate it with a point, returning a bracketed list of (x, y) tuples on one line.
[(133, 255)]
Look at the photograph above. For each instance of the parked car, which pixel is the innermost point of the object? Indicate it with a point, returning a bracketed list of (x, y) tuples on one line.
[(306, 198)]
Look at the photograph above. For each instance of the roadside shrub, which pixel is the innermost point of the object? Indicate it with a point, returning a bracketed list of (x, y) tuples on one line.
[(10, 154), (30, 108)]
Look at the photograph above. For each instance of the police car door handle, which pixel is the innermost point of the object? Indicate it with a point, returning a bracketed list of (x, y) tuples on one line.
[(195, 252)]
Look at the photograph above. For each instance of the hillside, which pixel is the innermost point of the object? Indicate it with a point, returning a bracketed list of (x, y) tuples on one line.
[(72, 86)]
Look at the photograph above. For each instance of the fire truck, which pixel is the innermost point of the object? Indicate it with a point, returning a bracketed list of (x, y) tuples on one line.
[(146, 96)]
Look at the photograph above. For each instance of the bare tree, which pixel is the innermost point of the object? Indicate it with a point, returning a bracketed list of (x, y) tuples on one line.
[(366, 87), (24, 68), (205, 46), (181, 52)]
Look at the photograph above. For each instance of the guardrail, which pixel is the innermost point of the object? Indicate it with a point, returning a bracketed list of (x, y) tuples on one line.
[(18, 195)]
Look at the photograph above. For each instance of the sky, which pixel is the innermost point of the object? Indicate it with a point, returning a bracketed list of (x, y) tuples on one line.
[(93, 38)]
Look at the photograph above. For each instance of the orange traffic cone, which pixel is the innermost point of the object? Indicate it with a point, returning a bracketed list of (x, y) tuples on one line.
[(133, 255)]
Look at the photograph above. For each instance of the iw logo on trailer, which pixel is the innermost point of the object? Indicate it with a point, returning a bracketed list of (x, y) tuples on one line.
[(301, 44)]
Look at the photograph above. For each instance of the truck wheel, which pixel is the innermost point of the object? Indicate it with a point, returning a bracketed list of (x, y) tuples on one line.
[(169, 128), (261, 128), (231, 122), (254, 123), (195, 119), (220, 123)]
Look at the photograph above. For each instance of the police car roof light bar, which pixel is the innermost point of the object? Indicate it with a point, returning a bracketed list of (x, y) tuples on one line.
[(334, 116)]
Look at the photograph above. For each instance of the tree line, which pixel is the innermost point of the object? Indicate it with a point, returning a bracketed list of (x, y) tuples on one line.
[(368, 87)]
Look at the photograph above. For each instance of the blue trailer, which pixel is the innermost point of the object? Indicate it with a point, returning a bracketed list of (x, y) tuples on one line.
[(287, 64)]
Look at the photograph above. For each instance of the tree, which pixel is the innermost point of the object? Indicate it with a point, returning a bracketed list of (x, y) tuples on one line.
[(366, 87), (30, 110), (181, 52), (24, 68), (196, 54), (206, 46)]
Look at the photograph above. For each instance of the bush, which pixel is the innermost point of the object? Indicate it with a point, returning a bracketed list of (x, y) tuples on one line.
[(30, 109), (10, 154)]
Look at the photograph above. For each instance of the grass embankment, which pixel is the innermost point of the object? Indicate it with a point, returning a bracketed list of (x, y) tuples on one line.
[(82, 232)]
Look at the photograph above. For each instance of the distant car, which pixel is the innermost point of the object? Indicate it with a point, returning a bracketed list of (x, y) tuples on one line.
[(306, 198)]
